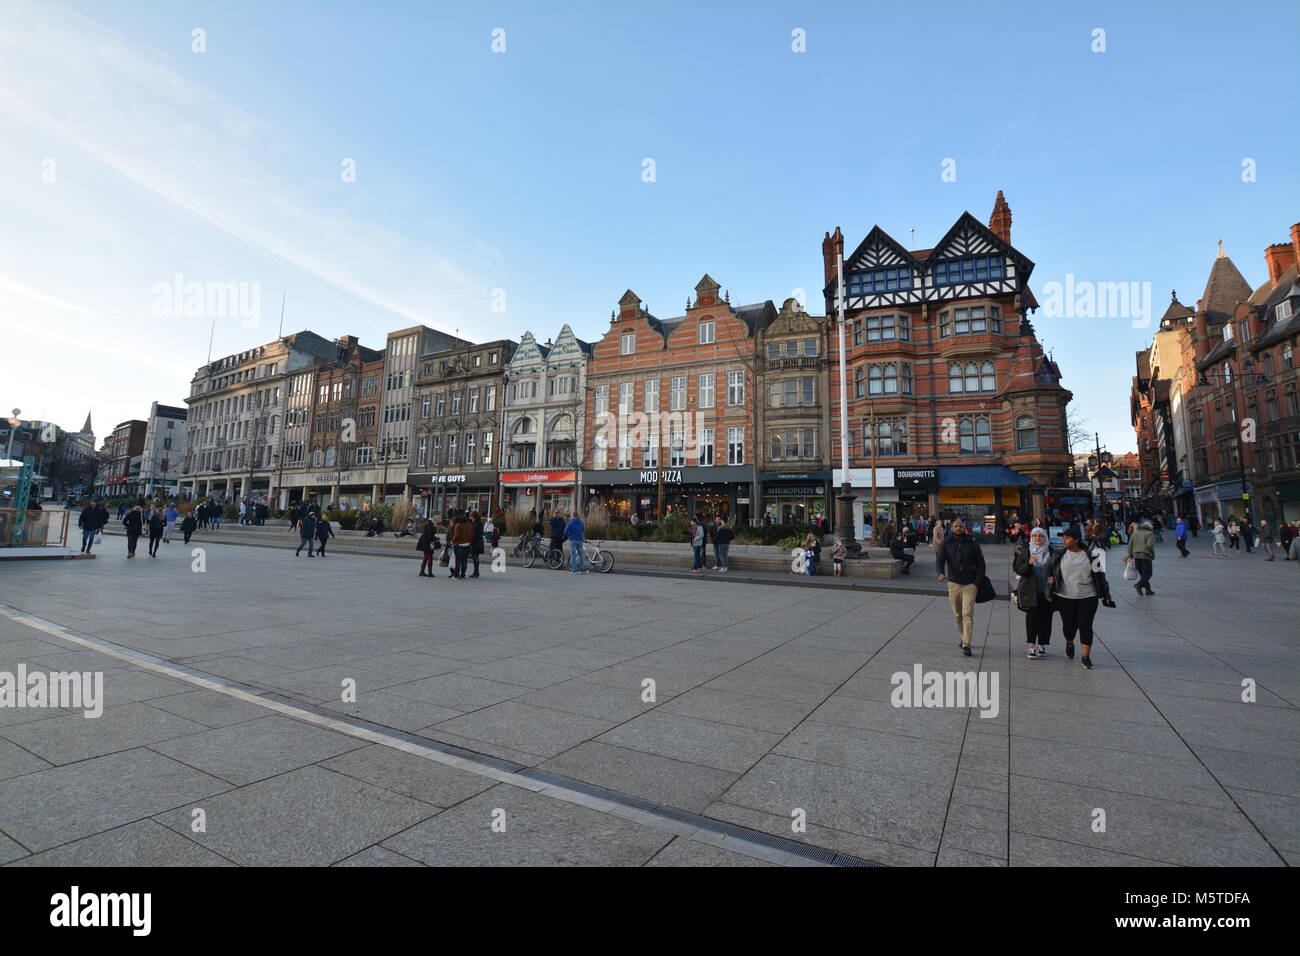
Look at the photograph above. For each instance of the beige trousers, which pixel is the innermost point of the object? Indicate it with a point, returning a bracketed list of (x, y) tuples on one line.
[(962, 599)]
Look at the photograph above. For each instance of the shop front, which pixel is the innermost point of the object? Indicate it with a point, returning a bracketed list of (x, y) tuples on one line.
[(795, 498), (350, 490), (437, 493), (862, 483), (989, 498), (689, 492), (1207, 504), (539, 492)]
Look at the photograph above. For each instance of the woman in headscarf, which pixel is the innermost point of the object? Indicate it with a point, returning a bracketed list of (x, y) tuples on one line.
[(1030, 561)]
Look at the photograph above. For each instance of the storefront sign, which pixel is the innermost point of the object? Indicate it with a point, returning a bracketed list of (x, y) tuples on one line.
[(538, 477), (903, 477), (794, 491), (861, 477), (976, 496), (671, 477), (742, 501), (796, 476)]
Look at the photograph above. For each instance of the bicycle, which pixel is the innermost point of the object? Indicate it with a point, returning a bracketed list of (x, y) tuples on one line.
[(534, 550), (602, 561)]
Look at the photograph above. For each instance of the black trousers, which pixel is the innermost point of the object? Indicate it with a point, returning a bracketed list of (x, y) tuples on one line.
[(1076, 618), (131, 540), (155, 539), (1182, 546), (1144, 573), (1038, 622)]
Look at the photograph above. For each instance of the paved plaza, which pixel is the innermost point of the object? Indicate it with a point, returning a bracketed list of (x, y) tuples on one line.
[(488, 712)]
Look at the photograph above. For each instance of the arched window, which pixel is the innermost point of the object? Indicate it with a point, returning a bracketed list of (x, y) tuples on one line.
[(976, 438), (987, 378), (972, 377), (315, 456), (954, 377), (1026, 433), (891, 379), (857, 382), (875, 380), (524, 426), (330, 453), (907, 378)]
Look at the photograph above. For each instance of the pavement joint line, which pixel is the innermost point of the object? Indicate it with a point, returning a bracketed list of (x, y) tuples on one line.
[(665, 819)]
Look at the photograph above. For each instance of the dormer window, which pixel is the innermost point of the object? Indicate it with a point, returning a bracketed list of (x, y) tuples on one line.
[(1283, 311)]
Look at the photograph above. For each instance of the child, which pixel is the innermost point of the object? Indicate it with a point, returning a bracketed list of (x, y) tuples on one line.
[(838, 554)]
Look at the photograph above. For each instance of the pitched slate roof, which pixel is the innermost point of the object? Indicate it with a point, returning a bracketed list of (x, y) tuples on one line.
[(1176, 309), (1223, 289)]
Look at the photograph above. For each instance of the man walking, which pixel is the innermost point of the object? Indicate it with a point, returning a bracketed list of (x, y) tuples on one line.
[(960, 562), (574, 532), (90, 525), (134, 524), (307, 535), (1180, 536), (1285, 534), (1142, 549), (1266, 537)]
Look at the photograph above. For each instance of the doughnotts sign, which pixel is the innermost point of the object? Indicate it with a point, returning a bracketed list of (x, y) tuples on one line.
[(916, 477)]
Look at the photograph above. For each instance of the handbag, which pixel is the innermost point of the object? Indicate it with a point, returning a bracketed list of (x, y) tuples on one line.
[(444, 559), (984, 591)]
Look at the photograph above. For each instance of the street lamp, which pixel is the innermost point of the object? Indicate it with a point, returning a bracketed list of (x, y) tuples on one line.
[(845, 497)]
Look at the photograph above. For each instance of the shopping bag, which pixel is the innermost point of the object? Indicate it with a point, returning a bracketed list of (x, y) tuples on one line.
[(99, 537), (1130, 570), (445, 559)]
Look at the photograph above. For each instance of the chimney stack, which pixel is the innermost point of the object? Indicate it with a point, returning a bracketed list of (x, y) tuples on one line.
[(1000, 221), (832, 247), (1278, 257), (1295, 242)]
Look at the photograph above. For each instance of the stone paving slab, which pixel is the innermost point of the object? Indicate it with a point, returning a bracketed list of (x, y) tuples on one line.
[(767, 699)]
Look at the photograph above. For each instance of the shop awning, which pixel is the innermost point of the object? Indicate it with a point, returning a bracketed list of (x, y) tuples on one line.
[(979, 476)]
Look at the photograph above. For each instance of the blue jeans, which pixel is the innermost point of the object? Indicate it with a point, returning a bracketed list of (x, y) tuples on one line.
[(722, 550), (699, 557), (87, 538), (577, 558), (462, 560), (309, 542)]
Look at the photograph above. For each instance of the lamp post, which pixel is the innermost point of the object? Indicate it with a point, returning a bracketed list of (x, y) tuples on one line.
[(845, 497)]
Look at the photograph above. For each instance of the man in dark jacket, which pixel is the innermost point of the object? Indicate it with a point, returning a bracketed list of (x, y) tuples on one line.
[(960, 562), (307, 535), (903, 547), (90, 523), (134, 524), (557, 532), (722, 536)]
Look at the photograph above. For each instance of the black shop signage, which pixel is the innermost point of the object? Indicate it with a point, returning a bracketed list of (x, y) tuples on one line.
[(916, 477)]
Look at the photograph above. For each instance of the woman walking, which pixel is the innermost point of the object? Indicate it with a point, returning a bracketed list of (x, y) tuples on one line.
[(1030, 562), (323, 533), (427, 545), (157, 525), (1076, 581), (1220, 549)]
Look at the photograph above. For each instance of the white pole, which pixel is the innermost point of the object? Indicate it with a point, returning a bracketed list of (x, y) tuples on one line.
[(846, 486)]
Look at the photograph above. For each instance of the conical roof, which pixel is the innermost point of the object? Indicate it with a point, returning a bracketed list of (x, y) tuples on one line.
[(1224, 289)]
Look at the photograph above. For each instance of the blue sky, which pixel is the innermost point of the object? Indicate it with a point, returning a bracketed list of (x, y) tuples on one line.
[(522, 171)]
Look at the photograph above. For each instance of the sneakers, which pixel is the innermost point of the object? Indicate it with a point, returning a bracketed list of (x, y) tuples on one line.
[(1069, 650), (1041, 651), (1086, 662), (965, 649), (1032, 655)]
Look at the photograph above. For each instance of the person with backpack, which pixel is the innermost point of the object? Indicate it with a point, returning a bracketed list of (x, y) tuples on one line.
[(960, 562), (1030, 562), (1142, 549), (306, 534), (323, 533), (1076, 582)]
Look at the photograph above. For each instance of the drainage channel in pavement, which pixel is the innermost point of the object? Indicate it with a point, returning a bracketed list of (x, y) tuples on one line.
[(741, 840)]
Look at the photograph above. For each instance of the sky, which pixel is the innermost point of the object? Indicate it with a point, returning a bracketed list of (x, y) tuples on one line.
[(482, 167)]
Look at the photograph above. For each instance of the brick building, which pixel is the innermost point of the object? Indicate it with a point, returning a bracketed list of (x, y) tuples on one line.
[(670, 407), (950, 393)]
